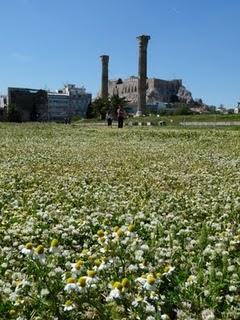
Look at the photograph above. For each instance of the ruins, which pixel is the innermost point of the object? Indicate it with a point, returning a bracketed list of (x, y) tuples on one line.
[(142, 73), (157, 90), (141, 90), (104, 83)]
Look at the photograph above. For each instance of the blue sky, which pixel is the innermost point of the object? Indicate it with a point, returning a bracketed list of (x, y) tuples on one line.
[(46, 43)]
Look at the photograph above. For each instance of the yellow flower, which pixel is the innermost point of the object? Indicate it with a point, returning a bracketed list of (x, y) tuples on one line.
[(131, 227), (78, 264), (100, 233), (98, 262), (119, 232), (91, 273), (115, 229), (82, 281), (118, 285), (150, 279), (125, 283), (68, 303), (29, 246), (40, 249), (54, 243), (71, 280)]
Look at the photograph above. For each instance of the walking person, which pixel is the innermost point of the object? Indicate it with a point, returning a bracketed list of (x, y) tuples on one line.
[(120, 116), (109, 118)]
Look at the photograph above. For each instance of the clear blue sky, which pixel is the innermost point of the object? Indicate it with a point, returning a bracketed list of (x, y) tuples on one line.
[(45, 43)]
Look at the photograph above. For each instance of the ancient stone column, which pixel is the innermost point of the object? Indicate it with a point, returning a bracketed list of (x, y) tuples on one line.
[(104, 84), (142, 73)]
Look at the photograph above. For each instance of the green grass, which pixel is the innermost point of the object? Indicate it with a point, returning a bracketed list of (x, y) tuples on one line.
[(176, 119), (154, 212), (173, 120)]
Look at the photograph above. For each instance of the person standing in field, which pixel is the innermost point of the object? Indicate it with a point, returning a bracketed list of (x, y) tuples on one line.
[(109, 118), (120, 116)]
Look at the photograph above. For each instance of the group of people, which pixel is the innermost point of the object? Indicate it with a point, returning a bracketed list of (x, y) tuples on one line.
[(120, 117)]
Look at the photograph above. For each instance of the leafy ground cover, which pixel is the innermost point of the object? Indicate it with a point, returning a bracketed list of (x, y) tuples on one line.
[(101, 223)]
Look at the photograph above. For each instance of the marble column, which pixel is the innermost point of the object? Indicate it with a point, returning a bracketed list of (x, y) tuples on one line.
[(142, 73), (104, 84)]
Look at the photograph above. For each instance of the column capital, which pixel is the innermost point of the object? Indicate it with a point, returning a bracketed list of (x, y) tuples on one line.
[(104, 58), (143, 40)]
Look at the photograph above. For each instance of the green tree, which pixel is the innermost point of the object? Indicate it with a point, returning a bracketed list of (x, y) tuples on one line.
[(90, 112), (116, 101), (100, 106), (182, 109), (13, 115)]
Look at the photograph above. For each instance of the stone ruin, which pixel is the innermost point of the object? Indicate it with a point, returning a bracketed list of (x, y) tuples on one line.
[(157, 90), (140, 90)]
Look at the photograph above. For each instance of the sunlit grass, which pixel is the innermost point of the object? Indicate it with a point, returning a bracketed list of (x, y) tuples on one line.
[(101, 223)]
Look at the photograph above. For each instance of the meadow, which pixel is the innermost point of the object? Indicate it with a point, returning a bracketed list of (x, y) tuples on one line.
[(102, 223)]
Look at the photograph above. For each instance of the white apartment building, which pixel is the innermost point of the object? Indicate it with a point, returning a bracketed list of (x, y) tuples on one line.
[(68, 102)]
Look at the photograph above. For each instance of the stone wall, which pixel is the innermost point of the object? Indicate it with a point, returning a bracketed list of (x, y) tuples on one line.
[(157, 90)]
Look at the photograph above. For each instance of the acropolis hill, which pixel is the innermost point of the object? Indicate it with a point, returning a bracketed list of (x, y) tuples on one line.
[(157, 90)]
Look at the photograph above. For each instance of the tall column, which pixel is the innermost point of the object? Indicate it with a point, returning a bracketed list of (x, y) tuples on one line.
[(104, 84), (142, 73)]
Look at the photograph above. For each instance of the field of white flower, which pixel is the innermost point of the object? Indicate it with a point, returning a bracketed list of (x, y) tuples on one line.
[(138, 223)]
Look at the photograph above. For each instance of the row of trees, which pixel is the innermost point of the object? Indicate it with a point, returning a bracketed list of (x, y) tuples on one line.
[(101, 106), (10, 114)]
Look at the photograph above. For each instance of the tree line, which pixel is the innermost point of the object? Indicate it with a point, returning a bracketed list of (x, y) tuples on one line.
[(100, 106)]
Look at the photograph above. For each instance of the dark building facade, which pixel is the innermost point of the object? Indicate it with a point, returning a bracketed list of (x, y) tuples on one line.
[(40, 105), (30, 104)]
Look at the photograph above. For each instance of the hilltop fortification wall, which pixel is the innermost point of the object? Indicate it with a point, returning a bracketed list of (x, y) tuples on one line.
[(157, 90)]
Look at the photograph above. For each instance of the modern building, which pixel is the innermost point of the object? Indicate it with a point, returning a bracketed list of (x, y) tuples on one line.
[(58, 106), (68, 102), (30, 104), (79, 99), (42, 105)]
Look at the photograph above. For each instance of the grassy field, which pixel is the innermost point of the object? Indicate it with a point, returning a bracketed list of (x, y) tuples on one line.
[(174, 120), (101, 223)]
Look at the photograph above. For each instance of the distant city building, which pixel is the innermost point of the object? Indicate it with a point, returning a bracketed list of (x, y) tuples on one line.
[(58, 106), (30, 104), (79, 99), (40, 105), (222, 109), (3, 104), (3, 101), (237, 109), (68, 102)]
